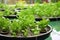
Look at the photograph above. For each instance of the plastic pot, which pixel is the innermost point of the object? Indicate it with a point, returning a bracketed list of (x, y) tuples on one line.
[(50, 18), (10, 16), (42, 36)]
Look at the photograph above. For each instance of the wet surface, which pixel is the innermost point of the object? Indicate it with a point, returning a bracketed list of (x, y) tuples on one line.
[(55, 25)]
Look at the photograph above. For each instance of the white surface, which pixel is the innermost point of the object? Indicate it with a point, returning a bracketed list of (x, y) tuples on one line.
[(55, 35)]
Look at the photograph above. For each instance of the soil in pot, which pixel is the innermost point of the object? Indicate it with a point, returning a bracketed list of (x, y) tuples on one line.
[(4, 32)]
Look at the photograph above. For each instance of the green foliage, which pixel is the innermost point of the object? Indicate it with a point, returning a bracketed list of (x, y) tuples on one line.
[(25, 32), (46, 10), (1, 5), (38, 1), (8, 10), (20, 5), (23, 24), (1, 14), (36, 30), (43, 23), (15, 27), (58, 4), (4, 24), (25, 21)]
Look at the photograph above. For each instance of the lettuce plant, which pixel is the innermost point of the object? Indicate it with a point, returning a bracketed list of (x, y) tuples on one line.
[(46, 10), (4, 24), (28, 21), (8, 11), (15, 27)]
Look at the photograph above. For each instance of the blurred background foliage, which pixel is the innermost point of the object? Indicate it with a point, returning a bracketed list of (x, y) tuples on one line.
[(27, 1)]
